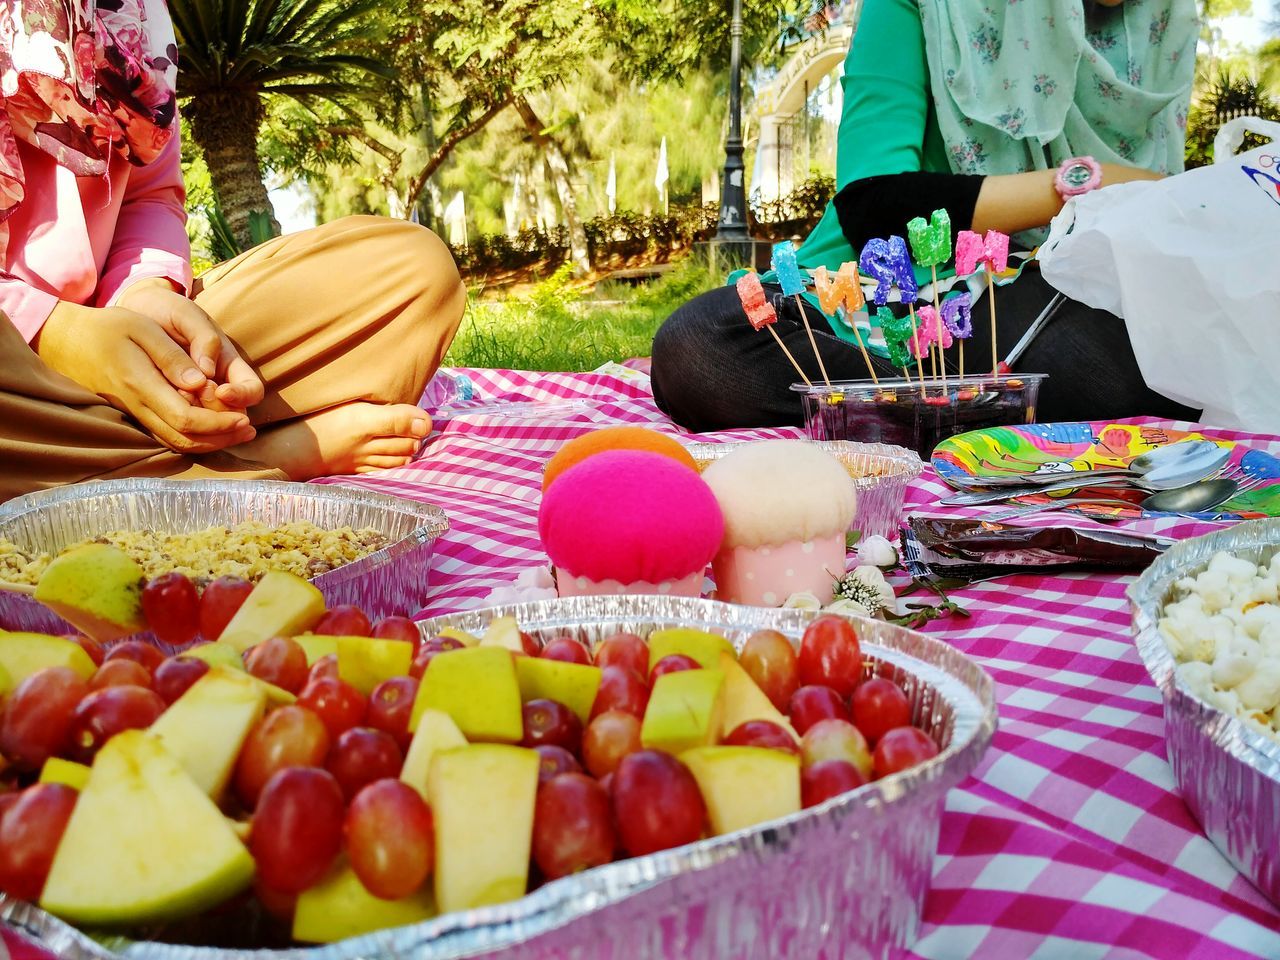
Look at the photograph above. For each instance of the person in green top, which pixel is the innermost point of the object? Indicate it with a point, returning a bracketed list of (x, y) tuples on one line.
[(976, 107)]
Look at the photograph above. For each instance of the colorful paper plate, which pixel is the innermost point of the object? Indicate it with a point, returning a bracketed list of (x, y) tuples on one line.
[(1063, 448)]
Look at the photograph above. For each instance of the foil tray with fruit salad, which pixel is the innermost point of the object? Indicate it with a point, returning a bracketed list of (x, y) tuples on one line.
[(1206, 616), (621, 777), (389, 579)]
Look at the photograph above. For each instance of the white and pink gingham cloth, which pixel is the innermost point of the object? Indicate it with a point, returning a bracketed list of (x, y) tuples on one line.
[(1069, 841)]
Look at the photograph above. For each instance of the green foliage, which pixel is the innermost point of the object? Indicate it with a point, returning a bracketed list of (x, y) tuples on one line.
[(1228, 96), (794, 215), (555, 328)]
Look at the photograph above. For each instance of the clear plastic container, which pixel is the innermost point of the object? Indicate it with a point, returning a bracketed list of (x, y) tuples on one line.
[(902, 412)]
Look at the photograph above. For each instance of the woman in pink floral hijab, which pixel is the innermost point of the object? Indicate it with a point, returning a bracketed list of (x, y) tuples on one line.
[(305, 356)]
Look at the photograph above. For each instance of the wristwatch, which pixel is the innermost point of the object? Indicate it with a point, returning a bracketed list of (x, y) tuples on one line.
[(1077, 175)]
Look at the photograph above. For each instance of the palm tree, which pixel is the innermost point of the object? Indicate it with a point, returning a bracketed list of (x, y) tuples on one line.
[(235, 55)]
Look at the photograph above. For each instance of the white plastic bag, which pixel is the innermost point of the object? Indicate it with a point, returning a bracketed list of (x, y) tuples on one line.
[(1192, 265)]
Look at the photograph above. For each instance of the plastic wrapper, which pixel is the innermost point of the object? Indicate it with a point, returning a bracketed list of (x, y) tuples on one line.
[(974, 550), (1228, 773), (846, 879), (389, 581)]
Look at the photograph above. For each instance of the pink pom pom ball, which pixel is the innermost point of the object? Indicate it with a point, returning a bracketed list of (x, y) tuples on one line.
[(628, 521)]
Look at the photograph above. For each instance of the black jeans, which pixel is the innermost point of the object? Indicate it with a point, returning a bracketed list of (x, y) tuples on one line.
[(712, 371)]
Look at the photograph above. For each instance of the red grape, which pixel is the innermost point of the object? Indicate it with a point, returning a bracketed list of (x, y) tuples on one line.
[(389, 836), (291, 736), (830, 655), (828, 779), (901, 749), (530, 646), (279, 661), (120, 673), (279, 905), (608, 738), (391, 707), (340, 705), (657, 803), (106, 712), (361, 756), (620, 689), (219, 603), (344, 620), (326, 666), (762, 733), (814, 703), (624, 650), (96, 651), (398, 628), (172, 608), (770, 661), (177, 675), (572, 826), (553, 761), (834, 739), (297, 828), (30, 831), (36, 722), (428, 650), (551, 722), (879, 705), (137, 651), (672, 663), (568, 650)]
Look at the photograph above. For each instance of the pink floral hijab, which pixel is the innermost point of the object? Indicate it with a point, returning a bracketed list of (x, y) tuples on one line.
[(81, 79)]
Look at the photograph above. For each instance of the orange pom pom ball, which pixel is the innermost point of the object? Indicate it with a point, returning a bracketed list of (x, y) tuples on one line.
[(614, 438)]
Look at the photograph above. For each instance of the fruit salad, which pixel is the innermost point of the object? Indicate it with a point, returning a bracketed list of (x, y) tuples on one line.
[(333, 776)]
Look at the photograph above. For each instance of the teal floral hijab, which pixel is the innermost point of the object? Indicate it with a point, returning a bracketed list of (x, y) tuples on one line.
[(1022, 85)]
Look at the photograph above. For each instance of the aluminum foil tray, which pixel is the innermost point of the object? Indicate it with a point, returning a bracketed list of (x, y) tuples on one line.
[(881, 473), (392, 580), (1228, 773), (843, 880)]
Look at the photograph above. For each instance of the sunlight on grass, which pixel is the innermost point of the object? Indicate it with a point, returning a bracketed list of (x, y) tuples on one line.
[(556, 328)]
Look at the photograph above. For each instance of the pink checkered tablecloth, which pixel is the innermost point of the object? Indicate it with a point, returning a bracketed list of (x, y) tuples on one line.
[(1068, 842)]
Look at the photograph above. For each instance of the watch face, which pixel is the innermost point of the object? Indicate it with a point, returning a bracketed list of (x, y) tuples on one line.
[(1076, 175)]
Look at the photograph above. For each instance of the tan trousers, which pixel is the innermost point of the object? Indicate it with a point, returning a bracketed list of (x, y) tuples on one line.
[(359, 309)]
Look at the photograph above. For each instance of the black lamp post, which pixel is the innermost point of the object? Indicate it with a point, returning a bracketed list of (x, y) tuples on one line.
[(731, 233)]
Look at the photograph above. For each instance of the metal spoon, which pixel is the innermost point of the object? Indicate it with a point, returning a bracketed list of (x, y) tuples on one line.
[(1166, 478), (1167, 465), (1195, 498)]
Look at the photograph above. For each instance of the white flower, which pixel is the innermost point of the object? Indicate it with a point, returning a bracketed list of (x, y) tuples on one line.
[(802, 601), (866, 586), (532, 583), (877, 552), (846, 608)]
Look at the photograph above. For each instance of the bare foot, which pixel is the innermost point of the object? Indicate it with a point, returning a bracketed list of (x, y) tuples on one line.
[(353, 438)]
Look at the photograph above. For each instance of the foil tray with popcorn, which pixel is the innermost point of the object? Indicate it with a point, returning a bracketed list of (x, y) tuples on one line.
[(1206, 616)]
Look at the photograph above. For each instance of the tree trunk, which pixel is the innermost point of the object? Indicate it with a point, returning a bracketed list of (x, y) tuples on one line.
[(559, 168), (441, 151), (225, 125)]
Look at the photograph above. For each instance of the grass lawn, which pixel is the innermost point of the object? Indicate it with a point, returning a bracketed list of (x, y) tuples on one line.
[(558, 327)]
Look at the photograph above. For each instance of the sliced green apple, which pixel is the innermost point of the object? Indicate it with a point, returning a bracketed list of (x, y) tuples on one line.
[(281, 605), (573, 684), (744, 700), (205, 728), (144, 843), (22, 654), (698, 644), (57, 770), (503, 632), (364, 662), (482, 797), (216, 655), (477, 687), (436, 731), (6, 683), (743, 786), (339, 907), (464, 638), (316, 645), (684, 711), (97, 588)]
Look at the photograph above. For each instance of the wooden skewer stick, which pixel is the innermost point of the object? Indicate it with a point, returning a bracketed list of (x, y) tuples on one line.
[(991, 295), (863, 347), (813, 343), (937, 308), (806, 380), (27, 588), (915, 337)]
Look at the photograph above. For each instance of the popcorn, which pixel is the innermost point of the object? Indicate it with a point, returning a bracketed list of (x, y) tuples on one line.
[(1223, 628)]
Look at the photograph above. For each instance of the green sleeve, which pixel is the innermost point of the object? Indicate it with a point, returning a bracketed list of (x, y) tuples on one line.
[(886, 114)]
